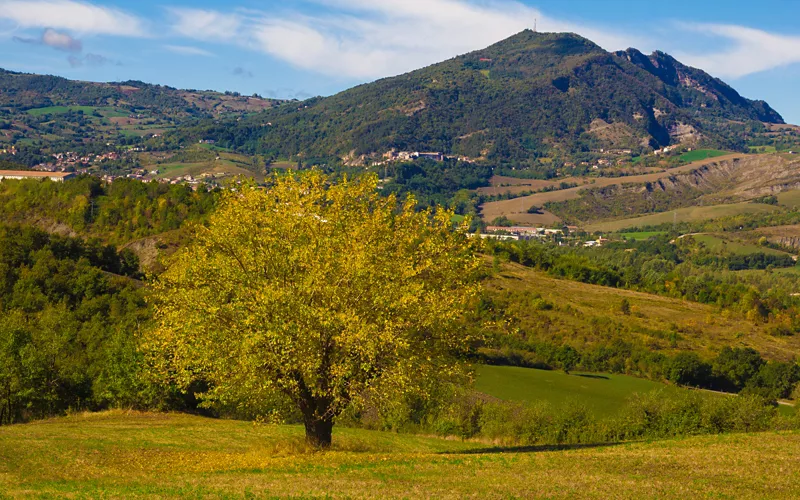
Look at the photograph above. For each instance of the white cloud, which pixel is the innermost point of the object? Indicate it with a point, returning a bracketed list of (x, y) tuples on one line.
[(752, 50), (205, 24), (375, 38), (54, 39), (72, 15), (186, 50), (61, 41)]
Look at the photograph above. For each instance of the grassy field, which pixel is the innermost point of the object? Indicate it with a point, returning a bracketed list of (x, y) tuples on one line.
[(603, 394), (688, 214), (106, 112), (641, 235), (117, 454), (585, 315), (702, 154), (763, 149), (716, 243), (790, 198)]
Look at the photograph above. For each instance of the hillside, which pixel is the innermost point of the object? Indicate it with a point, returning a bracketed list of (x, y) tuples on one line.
[(41, 114), (24, 91), (546, 309), (120, 454), (532, 95)]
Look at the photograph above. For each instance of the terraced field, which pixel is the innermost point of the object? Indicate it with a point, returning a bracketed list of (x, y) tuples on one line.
[(516, 209)]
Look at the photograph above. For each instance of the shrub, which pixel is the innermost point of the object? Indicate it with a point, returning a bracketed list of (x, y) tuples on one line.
[(688, 369)]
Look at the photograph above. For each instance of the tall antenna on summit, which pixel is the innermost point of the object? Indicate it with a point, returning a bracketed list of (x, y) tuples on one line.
[(535, 22)]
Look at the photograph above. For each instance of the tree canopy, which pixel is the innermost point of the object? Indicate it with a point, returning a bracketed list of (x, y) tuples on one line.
[(310, 297)]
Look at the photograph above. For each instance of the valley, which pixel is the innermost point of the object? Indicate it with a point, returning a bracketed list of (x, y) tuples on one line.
[(540, 268)]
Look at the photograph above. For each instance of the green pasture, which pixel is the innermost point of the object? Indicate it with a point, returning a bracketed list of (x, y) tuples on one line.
[(603, 394), (105, 111), (149, 455), (702, 154), (720, 244), (641, 235), (688, 214)]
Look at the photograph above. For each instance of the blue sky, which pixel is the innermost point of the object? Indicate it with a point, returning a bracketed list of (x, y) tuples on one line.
[(300, 48)]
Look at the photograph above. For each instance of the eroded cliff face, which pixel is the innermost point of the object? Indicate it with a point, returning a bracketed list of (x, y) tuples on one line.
[(717, 182)]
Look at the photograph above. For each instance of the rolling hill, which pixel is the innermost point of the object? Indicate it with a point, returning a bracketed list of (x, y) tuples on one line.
[(531, 95)]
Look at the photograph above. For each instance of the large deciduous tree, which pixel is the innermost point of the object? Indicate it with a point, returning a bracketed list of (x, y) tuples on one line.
[(315, 295)]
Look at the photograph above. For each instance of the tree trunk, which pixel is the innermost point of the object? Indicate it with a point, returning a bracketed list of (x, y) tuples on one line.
[(319, 432)]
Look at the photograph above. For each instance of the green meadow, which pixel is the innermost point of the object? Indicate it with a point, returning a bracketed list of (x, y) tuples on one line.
[(702, 154), (641, 235), (127, 454), (603, 394)]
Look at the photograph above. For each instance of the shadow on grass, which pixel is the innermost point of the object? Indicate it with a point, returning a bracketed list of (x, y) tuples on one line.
[(529, 449), (591, 375)]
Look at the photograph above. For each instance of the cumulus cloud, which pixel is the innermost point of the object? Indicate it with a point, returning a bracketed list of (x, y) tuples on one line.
[(369, 39), (54, 39), (73, 15), (61, 41), (751, 50), (187, 50)]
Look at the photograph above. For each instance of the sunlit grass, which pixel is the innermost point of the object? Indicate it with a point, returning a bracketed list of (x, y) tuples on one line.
[(118, 454)]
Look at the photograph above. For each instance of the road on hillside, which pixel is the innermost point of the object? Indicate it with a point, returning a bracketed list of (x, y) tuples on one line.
[(516, 209)]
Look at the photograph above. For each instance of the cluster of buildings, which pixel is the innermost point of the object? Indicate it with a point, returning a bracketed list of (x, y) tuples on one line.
[(399, 156), (667, 149), (10, 150), (69, 159), (562, 236), (523, 232)]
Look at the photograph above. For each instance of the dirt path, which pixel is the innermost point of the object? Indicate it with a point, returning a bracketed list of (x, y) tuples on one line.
[(516, 209)]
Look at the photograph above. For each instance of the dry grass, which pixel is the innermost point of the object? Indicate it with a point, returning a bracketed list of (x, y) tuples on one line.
[(174, 456), (579, 309), (688, 214), (516, 209)]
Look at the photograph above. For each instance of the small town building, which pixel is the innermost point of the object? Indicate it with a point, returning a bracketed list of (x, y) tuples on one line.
[(25, 174)]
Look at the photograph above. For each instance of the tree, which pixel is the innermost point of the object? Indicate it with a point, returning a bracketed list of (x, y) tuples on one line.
[(314, 297), (568, 357), (687, 368)]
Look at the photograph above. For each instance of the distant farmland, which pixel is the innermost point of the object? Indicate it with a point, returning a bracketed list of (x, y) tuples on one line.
[(688, 214), (516, 209)]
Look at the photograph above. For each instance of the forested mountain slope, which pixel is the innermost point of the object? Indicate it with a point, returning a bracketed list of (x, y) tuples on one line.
[(532, 95)]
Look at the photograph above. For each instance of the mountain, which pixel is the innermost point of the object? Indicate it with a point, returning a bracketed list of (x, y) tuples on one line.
[(530, 96), (24, 91), (42, 115)]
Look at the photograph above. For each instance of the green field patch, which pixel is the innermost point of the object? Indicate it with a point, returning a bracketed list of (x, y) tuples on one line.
[(762, 149), (688, 214), (789, 198), (719, 244), (641, 235), (702, 154), (603, 394), (106, 112)]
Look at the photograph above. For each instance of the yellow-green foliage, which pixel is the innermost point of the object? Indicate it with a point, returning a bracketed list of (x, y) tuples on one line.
[(314, 296)]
